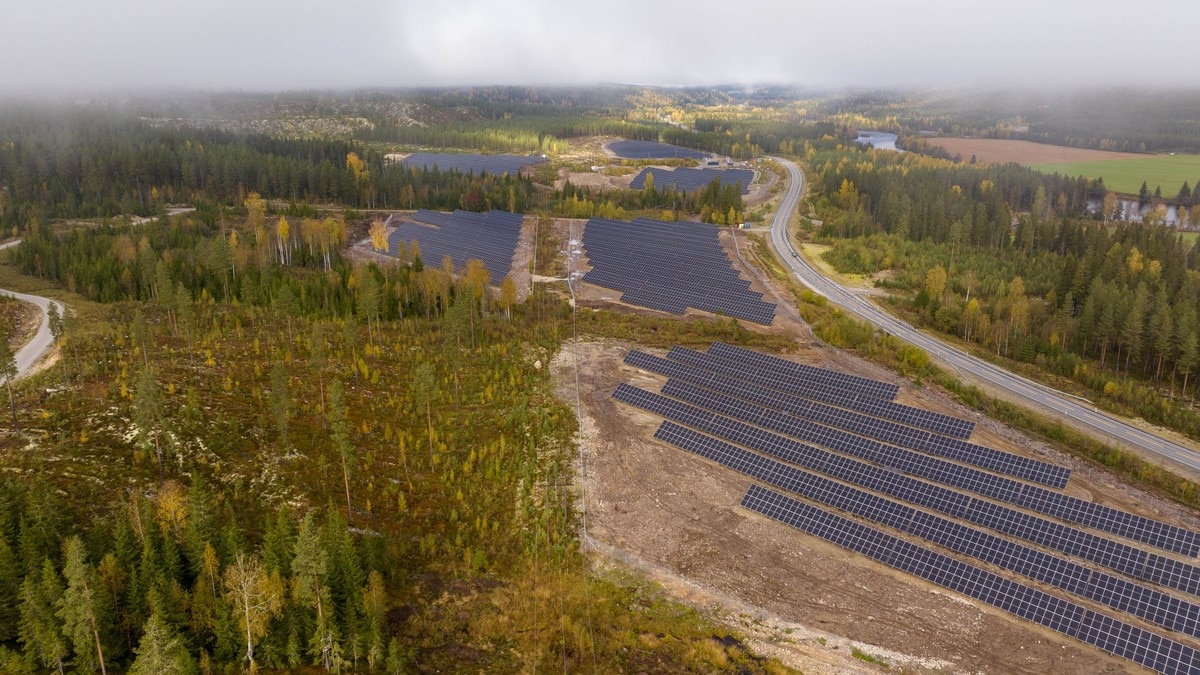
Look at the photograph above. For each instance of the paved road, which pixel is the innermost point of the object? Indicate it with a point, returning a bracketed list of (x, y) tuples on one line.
[(1033, 394), (30, 353)]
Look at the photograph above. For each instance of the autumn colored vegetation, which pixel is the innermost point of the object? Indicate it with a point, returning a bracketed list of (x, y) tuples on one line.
[(1110, 307)]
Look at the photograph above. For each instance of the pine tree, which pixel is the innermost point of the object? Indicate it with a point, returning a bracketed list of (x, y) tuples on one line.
[(148, 415), (10, 591), (161, 651), (375, 611), (339, 432), (310, 589), (424, 387), (40, 631), (77, 609), (1133, 328)]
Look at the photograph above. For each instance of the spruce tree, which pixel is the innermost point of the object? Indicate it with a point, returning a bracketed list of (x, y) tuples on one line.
[(77, 609), (40, 632), (161, 651)]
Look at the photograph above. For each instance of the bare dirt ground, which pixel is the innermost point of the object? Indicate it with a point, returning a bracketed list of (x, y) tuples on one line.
[(1001, 151), (676, 518)]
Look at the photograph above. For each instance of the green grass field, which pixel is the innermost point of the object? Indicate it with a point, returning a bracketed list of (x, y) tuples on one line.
[(1126, 175)]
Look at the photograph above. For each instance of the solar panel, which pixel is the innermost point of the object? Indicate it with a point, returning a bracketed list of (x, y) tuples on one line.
[(859, 424), (851, 383), (1151, 605), (652, 150), (670, 267), (801, 385), (1114, 636), (490, 237), (685, 179), (1000, 488), (497, 165)]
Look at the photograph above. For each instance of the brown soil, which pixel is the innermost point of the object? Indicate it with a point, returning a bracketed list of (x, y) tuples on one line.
[(1002, 151)]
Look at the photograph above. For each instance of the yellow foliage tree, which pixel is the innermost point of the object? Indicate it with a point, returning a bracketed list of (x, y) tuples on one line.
[(379, 236)]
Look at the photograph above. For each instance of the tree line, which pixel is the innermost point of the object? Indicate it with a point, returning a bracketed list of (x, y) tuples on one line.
[(1001, 257)]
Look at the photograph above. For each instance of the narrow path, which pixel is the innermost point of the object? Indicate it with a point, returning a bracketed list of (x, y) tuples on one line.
[(43, 340), (1032, 394)]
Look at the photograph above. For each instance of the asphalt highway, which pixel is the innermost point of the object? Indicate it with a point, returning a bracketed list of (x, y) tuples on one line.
[(1033, 394), (31, 352)]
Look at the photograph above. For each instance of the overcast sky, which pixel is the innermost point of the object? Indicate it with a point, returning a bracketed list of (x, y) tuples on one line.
[(268, 45)]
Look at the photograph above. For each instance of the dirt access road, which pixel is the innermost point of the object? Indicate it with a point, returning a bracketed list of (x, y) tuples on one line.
[(43, 339)]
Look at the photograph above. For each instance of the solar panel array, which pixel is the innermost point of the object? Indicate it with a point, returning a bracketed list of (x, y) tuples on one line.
[(799, 385), (1114, 555), (732, 406), (686, 179), (462, 235), (725, 423), (1113, 636), (670, 267), (652, 150), (829, 424), (496, 165), (862, 385), (1152, 605)]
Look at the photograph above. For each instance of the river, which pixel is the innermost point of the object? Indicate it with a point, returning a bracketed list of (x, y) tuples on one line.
[(880, 140)]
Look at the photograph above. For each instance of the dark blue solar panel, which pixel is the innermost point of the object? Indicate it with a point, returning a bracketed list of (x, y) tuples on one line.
[(670, 266), (996, 487), (490, 237), (685, 179), (1114, 636), (497, 165), (652, 150)]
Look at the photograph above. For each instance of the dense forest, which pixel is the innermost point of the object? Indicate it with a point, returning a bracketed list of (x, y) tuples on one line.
[(1002, 257), (58, 164)]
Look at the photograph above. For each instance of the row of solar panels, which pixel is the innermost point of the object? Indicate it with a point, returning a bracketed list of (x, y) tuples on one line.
[(859, 423), (497, 165), (845, 396), (723, 419), (1116, 637), (864, 385), (491, 220), (489, 237), (1146, 603), (670, 267), (685, 179), (1117, 556), (652, 150), (698, 407)]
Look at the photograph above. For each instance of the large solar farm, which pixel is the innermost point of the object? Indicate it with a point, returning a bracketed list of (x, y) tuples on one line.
[(801, 483), (826, 492)]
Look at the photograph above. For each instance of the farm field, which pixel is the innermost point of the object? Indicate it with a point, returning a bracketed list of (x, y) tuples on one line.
[(1002, 151), (1121, 171), (1165, 171)]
